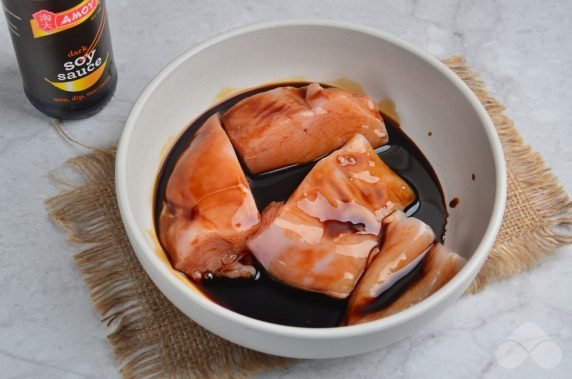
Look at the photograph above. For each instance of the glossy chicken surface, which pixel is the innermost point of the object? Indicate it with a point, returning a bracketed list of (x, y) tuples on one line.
[(321, 238), (208, 208), (290, 125), (405, 241), (408, 245)]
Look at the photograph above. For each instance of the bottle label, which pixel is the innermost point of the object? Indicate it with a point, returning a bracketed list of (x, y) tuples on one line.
[(80, 73), (46, 23), (64, 51)]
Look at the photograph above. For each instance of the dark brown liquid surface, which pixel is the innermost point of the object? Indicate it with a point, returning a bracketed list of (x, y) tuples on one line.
[(268, 300)]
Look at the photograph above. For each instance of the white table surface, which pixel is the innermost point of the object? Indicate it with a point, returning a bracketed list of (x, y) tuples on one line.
[(48, 327)]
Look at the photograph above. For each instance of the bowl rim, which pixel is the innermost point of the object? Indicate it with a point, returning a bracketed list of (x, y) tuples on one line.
[(469, 270)]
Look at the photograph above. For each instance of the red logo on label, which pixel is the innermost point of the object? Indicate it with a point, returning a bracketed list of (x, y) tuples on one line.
[(48, 22)]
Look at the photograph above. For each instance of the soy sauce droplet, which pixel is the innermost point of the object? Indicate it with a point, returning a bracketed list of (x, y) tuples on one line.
[(453, 203)]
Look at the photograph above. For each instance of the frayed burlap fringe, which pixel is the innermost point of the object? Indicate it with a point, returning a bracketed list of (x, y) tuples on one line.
[(151, 338), (538, 215)]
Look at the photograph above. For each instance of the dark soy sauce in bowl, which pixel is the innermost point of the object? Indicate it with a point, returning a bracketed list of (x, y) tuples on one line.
[(269, 300)]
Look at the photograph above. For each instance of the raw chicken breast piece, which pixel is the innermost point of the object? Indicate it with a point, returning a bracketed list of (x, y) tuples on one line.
[(208, 209), (436, 266), (288, 125), (405, 242), (321, 238)]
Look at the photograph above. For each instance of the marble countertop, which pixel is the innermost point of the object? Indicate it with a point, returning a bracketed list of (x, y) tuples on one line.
[(48, 327)]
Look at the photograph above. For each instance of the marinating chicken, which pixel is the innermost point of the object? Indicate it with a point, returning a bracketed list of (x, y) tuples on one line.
[(405, 243), (289, 125), (321, 238), (408, 245), (208, 210), (439, 267)]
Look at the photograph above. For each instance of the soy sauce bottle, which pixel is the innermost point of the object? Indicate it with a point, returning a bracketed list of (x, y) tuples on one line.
[(63, 48)]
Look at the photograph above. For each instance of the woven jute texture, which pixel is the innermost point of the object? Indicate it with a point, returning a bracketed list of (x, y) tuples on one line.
[(150, 337)]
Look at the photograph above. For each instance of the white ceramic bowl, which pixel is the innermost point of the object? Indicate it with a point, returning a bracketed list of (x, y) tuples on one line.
[(429, 97)]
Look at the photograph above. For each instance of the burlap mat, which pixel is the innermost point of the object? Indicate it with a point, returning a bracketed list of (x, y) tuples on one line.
[(150, 337)]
